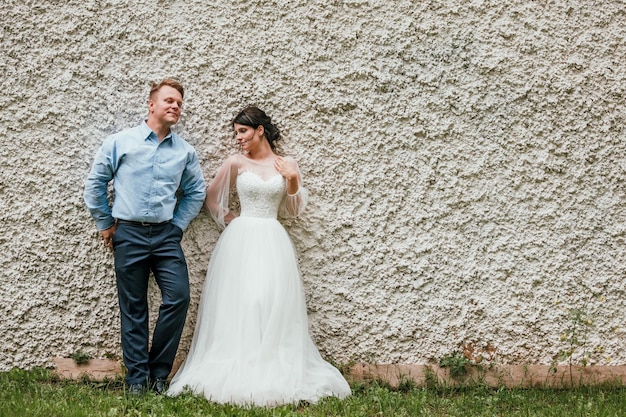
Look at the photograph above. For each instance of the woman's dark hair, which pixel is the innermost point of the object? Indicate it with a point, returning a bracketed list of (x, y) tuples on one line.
[(255, 117)]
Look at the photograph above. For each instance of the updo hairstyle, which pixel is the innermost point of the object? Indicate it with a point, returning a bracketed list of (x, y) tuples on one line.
[(254, 117)]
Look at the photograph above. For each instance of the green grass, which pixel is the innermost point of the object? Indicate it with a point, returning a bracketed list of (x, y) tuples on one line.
[(40, 393)]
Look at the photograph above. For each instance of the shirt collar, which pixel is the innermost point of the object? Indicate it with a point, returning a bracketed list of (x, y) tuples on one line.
[(147, 133)]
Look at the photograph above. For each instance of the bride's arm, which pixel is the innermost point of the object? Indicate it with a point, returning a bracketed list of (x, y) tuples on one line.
[(218, 191), (297, 195)]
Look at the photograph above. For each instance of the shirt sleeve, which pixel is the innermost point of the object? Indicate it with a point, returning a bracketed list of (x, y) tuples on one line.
[(95, 193), (192, 189), (218, 191), (294, 204)]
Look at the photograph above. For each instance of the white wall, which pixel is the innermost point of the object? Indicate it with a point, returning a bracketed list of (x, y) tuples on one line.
[(465, 161)]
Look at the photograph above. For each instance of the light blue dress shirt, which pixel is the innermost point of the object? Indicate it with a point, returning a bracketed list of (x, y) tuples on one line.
[(146, 176)]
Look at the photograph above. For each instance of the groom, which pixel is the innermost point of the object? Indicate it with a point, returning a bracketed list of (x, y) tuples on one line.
[(159, 188)]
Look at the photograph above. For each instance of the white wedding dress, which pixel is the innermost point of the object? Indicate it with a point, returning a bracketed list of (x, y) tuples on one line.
[(251, 344)]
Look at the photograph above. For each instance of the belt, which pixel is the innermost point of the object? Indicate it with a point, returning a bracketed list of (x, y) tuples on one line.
[(144, 224)]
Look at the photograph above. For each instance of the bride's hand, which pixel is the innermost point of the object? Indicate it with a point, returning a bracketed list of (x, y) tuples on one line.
[(229, 217), (286, 168)]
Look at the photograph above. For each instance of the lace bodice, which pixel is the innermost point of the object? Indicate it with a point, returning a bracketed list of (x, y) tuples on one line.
[(259, 197), (261, 190)]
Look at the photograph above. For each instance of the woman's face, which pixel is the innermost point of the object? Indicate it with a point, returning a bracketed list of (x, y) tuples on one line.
[(248, 137)]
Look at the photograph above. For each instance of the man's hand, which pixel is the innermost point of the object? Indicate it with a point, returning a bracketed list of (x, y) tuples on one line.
[(107, 235)]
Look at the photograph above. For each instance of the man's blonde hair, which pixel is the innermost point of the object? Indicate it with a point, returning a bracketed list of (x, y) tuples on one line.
[(170, 83)]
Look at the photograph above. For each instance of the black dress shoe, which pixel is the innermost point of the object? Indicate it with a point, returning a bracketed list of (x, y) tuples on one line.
[(159, 386), (136, 389)]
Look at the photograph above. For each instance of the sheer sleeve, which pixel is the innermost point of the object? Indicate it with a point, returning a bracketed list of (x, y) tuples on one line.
[(218, 192), (294, 204)]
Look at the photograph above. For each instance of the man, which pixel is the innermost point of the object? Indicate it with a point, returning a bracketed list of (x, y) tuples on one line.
[(149, 165)]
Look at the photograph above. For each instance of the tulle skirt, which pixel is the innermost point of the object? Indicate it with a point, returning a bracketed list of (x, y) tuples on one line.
[(251, 344)]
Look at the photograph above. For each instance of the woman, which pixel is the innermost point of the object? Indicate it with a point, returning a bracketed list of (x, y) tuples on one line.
[(251, 344)]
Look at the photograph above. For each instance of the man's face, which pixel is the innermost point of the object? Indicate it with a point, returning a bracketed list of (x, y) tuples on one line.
[(165, 105)]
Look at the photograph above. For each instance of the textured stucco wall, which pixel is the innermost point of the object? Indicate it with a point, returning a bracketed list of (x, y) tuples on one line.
[(465, 161)]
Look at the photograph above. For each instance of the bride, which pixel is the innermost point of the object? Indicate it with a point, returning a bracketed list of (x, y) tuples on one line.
[(251, 344)]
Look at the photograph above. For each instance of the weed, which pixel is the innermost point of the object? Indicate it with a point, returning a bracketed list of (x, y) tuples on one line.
[(456, 363), (80, 357), (406, 384), (430, 378), (575, 336)]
